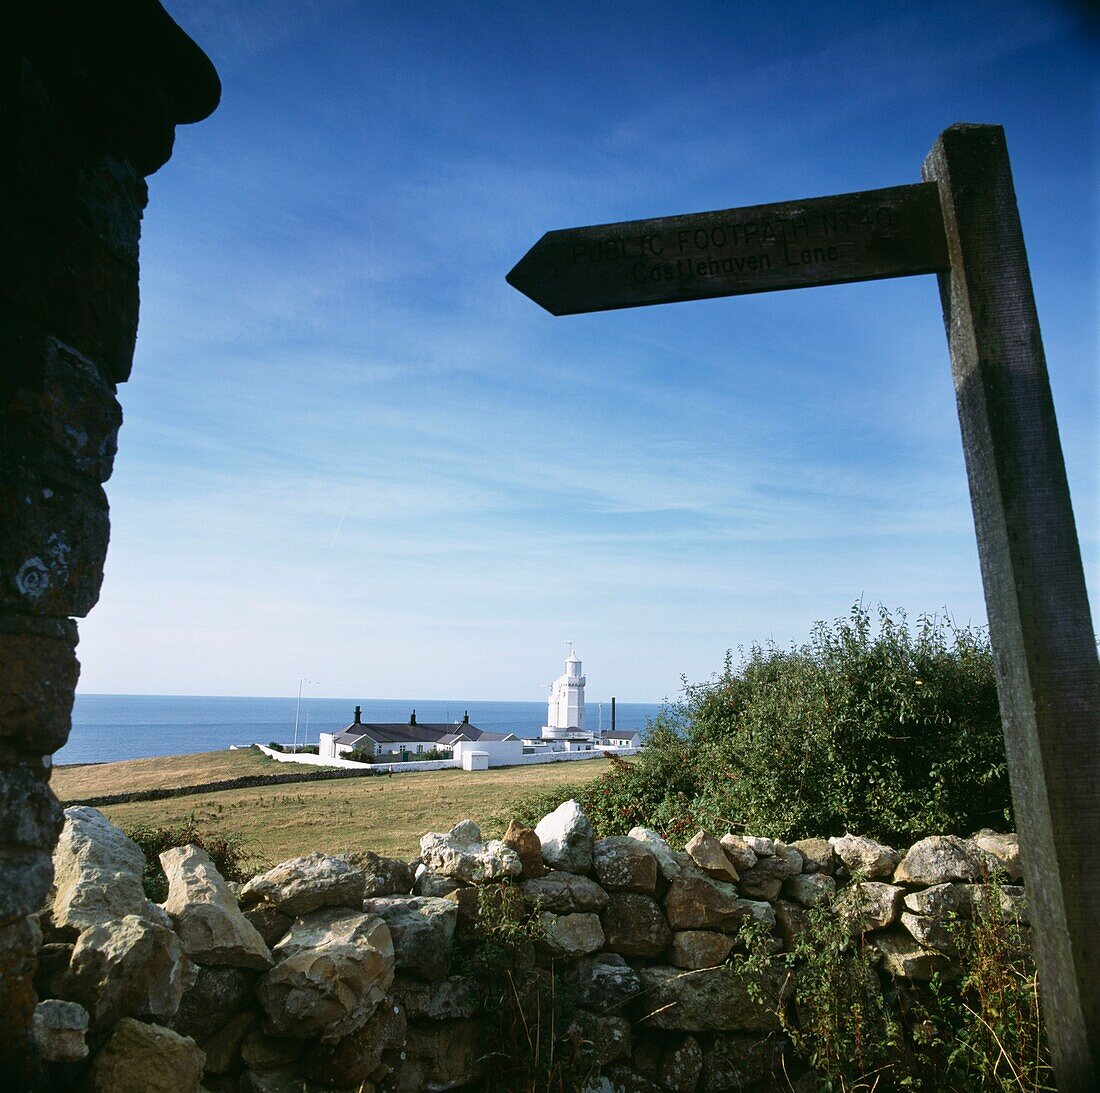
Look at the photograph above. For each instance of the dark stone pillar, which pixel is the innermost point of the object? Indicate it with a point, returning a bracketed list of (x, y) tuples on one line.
[(95, 93)]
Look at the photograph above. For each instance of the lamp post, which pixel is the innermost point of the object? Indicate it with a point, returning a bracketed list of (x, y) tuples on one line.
[(298, 708)]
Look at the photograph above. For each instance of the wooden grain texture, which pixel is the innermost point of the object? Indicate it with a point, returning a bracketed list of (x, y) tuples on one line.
[(819, 241), (1040, 626)]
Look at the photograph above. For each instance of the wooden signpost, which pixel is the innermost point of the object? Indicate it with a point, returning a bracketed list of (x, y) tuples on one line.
[(961, 223)]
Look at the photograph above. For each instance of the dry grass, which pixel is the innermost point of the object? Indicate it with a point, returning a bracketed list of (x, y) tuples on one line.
[(164, 772), (386, 815)]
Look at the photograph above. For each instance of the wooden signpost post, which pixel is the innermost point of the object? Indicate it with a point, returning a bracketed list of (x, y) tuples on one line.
[(962, 224)]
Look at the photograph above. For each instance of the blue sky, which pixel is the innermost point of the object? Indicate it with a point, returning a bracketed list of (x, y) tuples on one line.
[(352, 452)]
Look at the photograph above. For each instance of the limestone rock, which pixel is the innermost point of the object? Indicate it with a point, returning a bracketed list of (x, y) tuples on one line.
[(939, 901), (707, 853), (469, 911), (703, 1001), (941, 858), (739, 850), (905, 957), (53, 966), (334, 968), (59, 1029), (598, 1039), (439, 1055), (790, 922), (810, 889), (635, 925), (301, 885), (436, 885), (127, 967), (680, 1067), (31, 820), (792, 856), (568, 937), (527, 846), (930, 933), (869, 859), (695, 902), (350, 1062), (764, 879), (1005, 849), (381, 876), (262, 1052), (222, 1046), (666, 860), (817, 855), (455, 996), (607, 982), (624, 864), (460, 853), (738, 1062), (140, 1058), (421, 928), (269, 922), (699, 949), (869, 905), (563, 893), (214, 994), (975, 899), (623, 1078), (567, 838), (97, 873), (209, 923), (284, 1080), (761, 847)]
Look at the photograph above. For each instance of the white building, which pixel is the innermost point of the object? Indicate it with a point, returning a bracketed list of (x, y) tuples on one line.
[(564, 727), (414, 739)]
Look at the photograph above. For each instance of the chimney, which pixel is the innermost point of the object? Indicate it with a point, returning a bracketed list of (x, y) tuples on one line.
[(612, 713), (412, 718), (358, 715), (466, 717)]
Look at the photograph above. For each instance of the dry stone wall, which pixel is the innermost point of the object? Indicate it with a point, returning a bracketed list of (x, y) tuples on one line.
[(95, 94), (356, 972)]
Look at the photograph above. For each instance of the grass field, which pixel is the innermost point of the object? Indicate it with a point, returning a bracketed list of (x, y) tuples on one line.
[(163, 772), (386, 815)]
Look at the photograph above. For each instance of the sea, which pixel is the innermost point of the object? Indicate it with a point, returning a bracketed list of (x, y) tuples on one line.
[(107, 728)]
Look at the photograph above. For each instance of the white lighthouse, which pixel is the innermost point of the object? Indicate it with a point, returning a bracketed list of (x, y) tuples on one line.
[(565, 708)]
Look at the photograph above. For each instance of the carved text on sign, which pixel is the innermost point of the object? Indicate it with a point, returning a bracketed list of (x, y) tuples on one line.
[(824, 240)]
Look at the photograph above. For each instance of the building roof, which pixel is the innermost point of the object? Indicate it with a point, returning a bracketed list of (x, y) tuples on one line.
[(446, 734), (619, 734), (396, 734)]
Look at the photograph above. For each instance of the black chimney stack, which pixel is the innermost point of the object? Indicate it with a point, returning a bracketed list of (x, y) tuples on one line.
[(412, 718), (612, 713), (466, 717), (358, 715)]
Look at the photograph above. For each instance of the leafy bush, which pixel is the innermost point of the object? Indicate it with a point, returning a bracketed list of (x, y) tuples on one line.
[(360, 755), (857, 1029), (895, 733), (227, 850)]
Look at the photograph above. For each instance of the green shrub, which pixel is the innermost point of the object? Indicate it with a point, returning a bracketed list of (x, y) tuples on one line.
[(895, 733), (978, 1031), (227, 850)]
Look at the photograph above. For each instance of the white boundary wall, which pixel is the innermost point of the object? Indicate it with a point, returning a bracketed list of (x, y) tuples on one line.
[(441, 764)]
